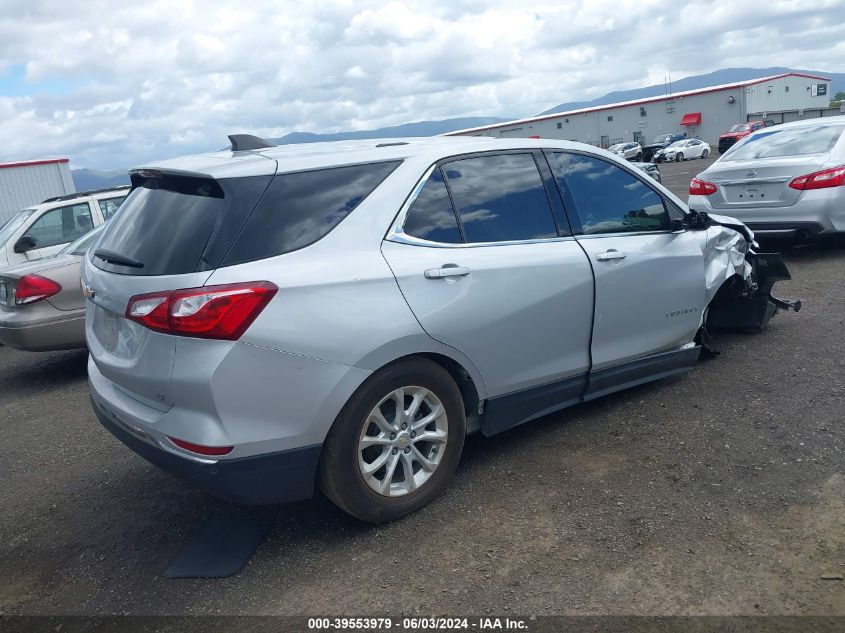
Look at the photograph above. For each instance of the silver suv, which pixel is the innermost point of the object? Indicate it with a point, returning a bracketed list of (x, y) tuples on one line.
[(266, 319)]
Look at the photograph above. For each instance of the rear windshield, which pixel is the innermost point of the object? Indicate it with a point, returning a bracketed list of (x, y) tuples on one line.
[(164, 226), (176, 225), (777, 142), (83, 243)]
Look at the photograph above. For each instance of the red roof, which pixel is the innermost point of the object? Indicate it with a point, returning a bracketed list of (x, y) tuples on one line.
[(693, 118), (29, 163)]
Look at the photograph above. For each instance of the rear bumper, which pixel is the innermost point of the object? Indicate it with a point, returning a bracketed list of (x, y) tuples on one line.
[(259, 480), (65, 333), (820, 212)]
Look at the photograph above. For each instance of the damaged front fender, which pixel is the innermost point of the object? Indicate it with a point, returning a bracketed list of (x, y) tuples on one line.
[(738, 280)]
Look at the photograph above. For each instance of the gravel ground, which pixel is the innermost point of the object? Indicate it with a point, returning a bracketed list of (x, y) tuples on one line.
[(719, 492)]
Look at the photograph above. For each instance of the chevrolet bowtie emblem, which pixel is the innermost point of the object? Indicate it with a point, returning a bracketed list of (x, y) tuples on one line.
[(87, 290)]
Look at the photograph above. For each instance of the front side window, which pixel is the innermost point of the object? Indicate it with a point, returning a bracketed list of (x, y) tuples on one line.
[(431, 216), (109, 206), (61, 225), (608, 199), (500, 198), (787, 142)]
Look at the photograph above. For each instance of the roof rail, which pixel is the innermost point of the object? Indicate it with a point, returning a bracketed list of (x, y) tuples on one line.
[(79, 194), (244, 142), (392, 143)]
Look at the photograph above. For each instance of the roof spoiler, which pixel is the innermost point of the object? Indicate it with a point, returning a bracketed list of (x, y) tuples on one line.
[(244, 142)]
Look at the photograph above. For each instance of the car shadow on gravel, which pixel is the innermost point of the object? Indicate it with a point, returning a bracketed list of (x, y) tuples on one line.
[(27, 373)]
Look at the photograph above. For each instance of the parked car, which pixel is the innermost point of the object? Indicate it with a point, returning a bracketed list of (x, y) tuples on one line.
[(628, 151), (266, 319), (651, 169), (684, 150), (46, 228), (787, 181), (659, 142), (740, 131), (41, 303)]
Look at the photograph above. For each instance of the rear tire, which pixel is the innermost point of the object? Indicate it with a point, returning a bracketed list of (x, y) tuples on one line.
[(375, 468), (705, 154), (639, 157)]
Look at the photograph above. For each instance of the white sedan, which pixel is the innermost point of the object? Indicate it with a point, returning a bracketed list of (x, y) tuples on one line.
[(682, 150)]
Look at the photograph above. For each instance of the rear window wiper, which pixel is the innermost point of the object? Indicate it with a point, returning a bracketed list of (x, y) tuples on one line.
[(117, 258)]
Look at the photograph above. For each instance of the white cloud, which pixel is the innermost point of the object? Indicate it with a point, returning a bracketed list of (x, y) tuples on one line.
[(113, 85)]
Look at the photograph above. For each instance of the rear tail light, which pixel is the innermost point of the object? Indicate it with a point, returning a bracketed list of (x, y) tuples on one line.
[(833, 177), (216, 312), (701, 188), (200, 449), (34, 288)]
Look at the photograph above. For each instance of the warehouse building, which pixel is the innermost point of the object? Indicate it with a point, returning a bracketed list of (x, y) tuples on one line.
[(25, 183), (704, 113)]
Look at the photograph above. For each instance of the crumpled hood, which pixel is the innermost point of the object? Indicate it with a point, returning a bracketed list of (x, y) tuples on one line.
[(736, 225)]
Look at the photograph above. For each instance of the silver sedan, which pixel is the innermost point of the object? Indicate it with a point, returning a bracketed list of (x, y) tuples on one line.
[(41, 303), (787, 181)]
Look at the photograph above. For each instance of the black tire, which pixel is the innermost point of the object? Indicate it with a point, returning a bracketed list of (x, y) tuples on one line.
[(340, 477), (679, 157), (639, 157), (705, 154)]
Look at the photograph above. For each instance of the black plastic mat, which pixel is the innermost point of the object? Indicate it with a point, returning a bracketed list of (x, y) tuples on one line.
[(222, 546)]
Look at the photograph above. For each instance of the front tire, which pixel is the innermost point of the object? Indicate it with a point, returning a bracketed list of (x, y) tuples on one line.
[(679, 157), (396, 443)]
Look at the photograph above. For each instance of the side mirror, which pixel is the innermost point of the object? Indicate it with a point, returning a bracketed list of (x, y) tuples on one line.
[(25, 243), (676, 224)]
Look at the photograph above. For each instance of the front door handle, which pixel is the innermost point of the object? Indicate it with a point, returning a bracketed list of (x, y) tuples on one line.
[(446, 271), (610, 255)]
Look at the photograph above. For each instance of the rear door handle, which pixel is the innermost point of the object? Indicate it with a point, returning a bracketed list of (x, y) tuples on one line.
[(446, 271), (611, 254)]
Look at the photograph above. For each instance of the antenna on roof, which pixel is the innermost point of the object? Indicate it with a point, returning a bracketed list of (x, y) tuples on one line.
[(244, 142)]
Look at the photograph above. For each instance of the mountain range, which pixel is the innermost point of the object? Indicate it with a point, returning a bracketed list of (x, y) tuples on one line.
[(86, 179)]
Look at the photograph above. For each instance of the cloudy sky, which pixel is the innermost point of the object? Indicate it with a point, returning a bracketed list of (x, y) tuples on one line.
[(112, 84)]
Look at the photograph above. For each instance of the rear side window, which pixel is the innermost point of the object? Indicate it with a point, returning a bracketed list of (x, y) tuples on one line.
[(300, 208), (431, 216), (500, 198), (787, 142), (608, 199)]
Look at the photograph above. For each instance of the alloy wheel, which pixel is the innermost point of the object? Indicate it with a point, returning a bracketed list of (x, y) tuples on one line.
[(402, 441)]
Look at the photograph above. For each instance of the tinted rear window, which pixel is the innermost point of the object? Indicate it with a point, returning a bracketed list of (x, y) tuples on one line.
[(176, 225), (787, 142), (300, 208), (165, 224)]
